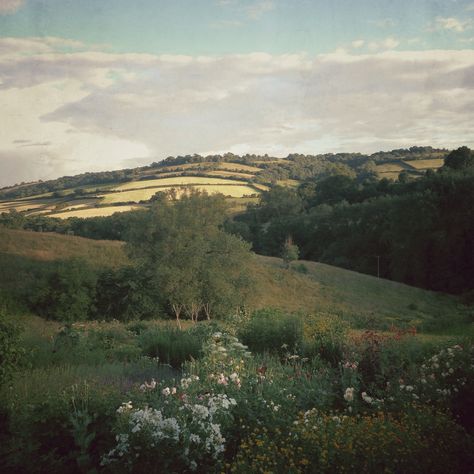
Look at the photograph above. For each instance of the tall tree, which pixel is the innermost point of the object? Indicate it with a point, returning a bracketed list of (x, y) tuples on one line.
[(195, 266)]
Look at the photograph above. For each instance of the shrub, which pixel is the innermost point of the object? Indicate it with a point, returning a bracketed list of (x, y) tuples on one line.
[(271, 330), (67, 294), (10, 351), (325, 335), (172, 346)]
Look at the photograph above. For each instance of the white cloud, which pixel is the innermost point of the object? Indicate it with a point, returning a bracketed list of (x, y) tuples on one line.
[(387, 43), (97, 110), (470, 7), (10, 6), (451, 24), (356, 44)]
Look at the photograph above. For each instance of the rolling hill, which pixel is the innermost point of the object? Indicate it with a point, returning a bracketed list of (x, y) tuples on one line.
[(363, 300), (236, 177)]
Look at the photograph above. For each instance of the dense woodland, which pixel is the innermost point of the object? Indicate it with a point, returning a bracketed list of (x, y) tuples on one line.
[(418, 232)]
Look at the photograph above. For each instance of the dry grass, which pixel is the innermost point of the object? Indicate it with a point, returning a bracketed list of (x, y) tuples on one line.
[(23, 206), (426, 164), (389, 168), (49, 246)]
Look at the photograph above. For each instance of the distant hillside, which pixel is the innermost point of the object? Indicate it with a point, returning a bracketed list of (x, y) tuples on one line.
[(237, 177), (363, 300)]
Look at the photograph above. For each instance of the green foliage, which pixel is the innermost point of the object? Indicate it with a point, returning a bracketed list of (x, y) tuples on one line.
[(68, 293), (125, 295), (290, 252), (321, 442), (460, 159), (194, 267), (11, 352), (417, 232), (171, 345), (271, 330), (325, 335)]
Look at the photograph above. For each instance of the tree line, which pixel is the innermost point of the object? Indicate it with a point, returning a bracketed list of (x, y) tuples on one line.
[(415, 231)]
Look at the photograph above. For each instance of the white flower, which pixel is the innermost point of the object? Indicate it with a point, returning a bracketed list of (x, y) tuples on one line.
[(366, 398), (126, 406), (349, 394), (166, 391)]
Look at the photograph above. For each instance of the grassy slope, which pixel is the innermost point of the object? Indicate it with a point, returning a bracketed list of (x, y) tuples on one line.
[(49, 246), (362, 299)]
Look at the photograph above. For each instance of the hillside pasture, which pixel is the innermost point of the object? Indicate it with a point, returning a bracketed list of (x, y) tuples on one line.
[(362, 300), (49, 247), (29, 205), (137, 195), (94, 212), (389, 168), (174, 181), (229, 174), (426, 164)]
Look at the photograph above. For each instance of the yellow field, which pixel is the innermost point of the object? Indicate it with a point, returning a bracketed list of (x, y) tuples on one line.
[(261, 187), (95, 212), (138, 195), (176, 181), (389, 168), (21, 206), (426, 164)]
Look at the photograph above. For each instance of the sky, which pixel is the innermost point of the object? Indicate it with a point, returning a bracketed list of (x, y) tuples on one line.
[(91, 85)]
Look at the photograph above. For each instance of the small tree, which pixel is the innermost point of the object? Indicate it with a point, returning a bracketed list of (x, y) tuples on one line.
[(290, 252)]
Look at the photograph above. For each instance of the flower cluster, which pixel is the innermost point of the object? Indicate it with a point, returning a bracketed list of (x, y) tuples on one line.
[(185, 434)]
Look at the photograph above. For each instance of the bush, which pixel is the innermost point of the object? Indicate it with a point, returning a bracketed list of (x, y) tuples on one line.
[(67, 294), (172, 346), (10, 351), (271, 330), (325, 335)]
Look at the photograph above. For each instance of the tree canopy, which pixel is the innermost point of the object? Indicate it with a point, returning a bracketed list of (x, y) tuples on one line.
[(195, 267)]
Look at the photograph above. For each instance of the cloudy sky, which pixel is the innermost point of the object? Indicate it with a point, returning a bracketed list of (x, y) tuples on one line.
[(91, 85)]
